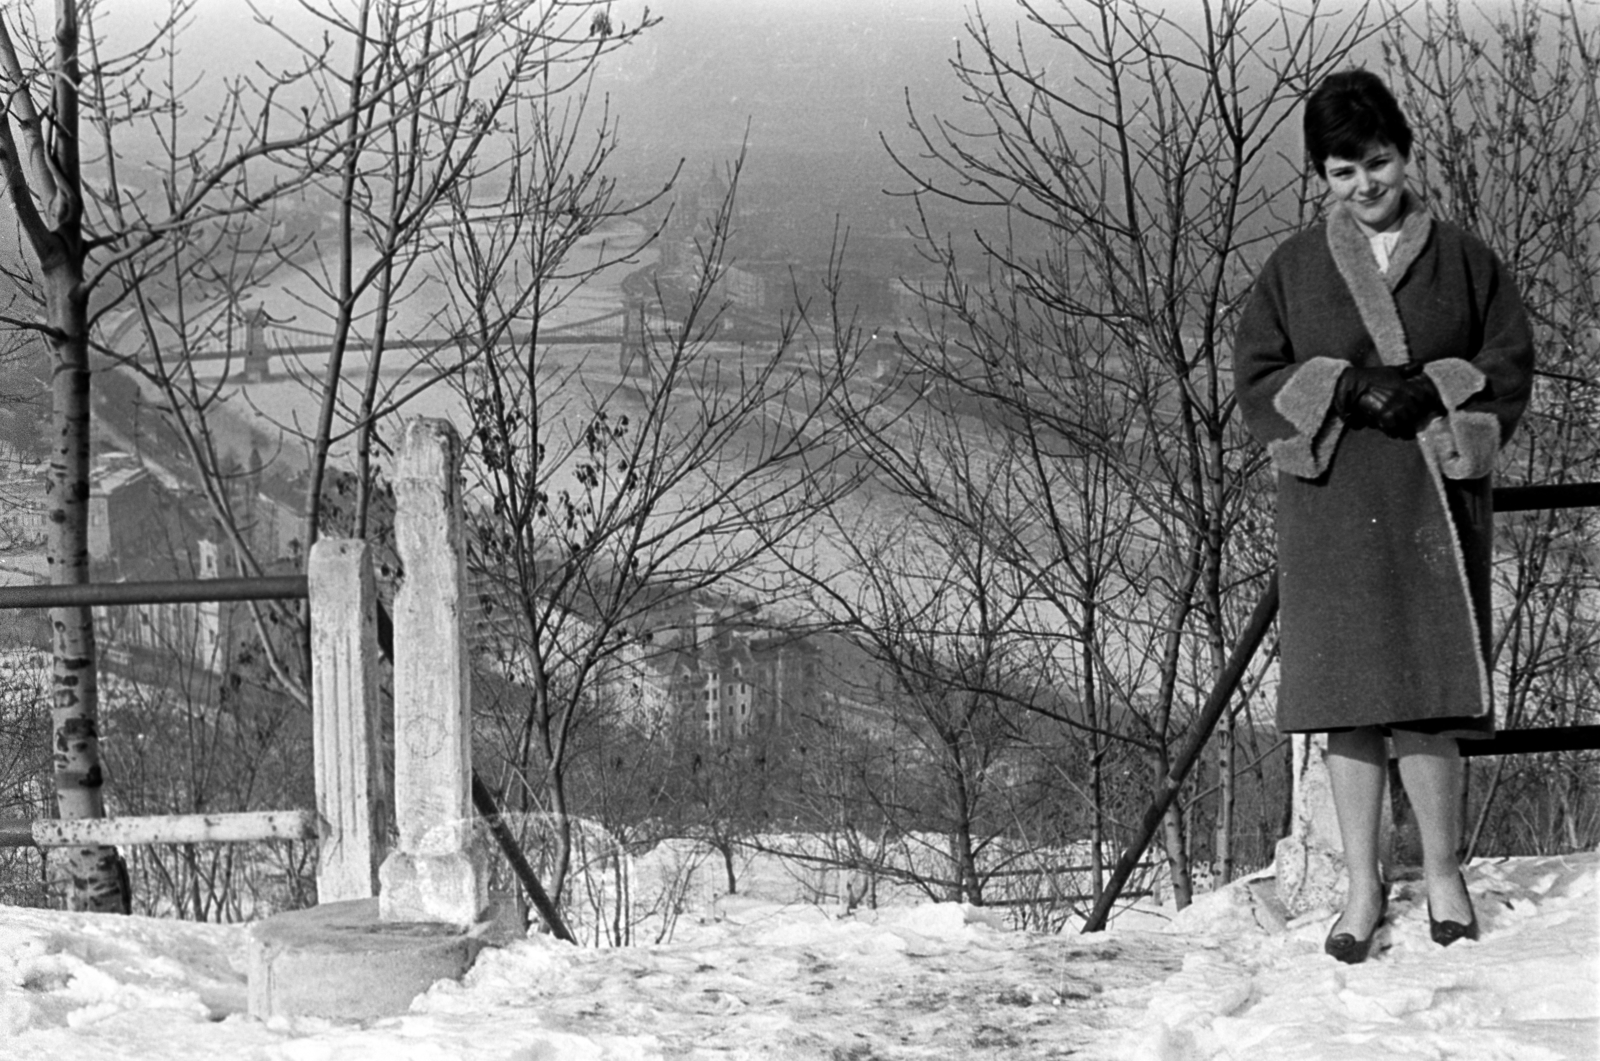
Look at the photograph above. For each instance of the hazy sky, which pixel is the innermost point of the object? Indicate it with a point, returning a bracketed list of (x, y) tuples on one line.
[(814, 78), (813, 86), (820, 75)]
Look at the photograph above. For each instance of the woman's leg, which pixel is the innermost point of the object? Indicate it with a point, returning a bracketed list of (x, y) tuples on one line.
[(1358, 765), (1430, 768)]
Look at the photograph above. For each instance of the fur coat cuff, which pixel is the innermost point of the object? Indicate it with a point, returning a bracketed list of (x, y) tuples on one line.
[(1465, 443), (1306, 401)]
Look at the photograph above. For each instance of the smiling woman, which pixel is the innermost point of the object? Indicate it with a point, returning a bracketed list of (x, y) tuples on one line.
[(1372, 185), (1384, 358)]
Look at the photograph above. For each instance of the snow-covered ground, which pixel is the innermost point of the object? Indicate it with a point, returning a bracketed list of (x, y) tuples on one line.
[(747, 978)]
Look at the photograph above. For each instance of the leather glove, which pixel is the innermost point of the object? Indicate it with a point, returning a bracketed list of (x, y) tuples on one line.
[(1396, 401), (1363, 391), (1412, 406)]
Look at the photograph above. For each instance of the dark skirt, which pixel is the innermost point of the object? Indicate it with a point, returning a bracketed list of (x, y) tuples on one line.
[(1385, 594)]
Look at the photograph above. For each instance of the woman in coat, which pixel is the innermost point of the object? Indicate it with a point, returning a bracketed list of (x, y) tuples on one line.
[(1384, 358)]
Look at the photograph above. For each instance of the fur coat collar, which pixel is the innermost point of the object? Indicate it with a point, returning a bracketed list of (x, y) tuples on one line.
[(1371, 289)]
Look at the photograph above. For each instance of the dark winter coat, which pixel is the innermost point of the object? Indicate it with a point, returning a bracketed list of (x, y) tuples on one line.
[(1384, 545)]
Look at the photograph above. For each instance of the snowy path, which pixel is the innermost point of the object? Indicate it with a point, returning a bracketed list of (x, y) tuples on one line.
[(763, 981), (1529, 989), (920, 983), (766, 982)]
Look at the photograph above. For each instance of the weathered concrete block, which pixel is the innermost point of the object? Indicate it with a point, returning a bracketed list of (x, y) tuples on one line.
[(1309, 876), (342, 961), (345, 719), (449, 885), (1309, 862), (438, 870)]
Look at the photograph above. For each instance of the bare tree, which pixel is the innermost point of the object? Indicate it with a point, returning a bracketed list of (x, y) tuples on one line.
[(607, 501), (388, 108), (1132, 200), (24, 762), (414, 104), (923, 582), (45, 190)]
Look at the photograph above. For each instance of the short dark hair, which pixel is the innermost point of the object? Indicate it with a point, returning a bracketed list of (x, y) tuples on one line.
[(1348, 113)]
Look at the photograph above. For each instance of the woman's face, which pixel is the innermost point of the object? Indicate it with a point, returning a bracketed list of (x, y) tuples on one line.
[(1373, 185)]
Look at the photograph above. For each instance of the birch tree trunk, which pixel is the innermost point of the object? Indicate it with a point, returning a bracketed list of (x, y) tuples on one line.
[(98, 882), (48, 202)]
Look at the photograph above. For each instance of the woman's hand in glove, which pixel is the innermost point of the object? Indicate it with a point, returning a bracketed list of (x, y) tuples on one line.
[(1364, 391), (1395, 401), (1413, 406)]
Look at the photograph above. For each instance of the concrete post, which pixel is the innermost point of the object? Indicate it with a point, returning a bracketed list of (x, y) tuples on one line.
[(345, 719), (257, 364), (1309, 862), (439, 871)]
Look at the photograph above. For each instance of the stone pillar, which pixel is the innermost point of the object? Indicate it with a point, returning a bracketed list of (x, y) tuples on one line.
[(257, 363), (439, 871), (345, 719), (207, 632), (1309, 862), (633, 351)]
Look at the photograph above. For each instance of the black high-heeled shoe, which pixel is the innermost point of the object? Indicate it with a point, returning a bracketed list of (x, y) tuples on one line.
[(1445, 933), (1345, 947)]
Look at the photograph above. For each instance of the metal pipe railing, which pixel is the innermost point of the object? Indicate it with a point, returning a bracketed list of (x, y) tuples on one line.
[(1535, 741), (275, 587), (1255, 632), (1560, 495), (237, 827)]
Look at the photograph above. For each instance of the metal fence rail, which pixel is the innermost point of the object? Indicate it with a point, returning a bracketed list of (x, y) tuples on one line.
[(1535, 741), (1560, 495), (229, 828), (220, 828), (276, 587)]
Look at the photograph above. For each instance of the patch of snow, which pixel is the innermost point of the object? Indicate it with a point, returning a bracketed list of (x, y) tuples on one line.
[(1528, 989), (759, 977)]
